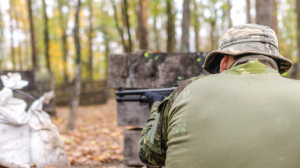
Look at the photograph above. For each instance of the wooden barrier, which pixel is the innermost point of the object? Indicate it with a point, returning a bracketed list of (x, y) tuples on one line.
[(144, 70), (92, 92), (131, 137)]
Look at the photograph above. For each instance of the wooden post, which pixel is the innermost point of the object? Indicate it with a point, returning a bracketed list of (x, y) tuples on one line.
[(131, 141)]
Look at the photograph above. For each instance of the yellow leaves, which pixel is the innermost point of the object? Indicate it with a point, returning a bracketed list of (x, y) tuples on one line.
[(59, 119), (82, 129), (115, 134), (99, 158), (94, 142), (114, 147), (67, 140), (105, 131), (96, 138)]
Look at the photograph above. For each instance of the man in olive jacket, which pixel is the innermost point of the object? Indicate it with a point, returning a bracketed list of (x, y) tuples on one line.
[(245, 115)]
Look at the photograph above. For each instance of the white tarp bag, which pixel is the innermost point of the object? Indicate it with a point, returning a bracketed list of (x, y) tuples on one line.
[(47, 147), (14, 129)]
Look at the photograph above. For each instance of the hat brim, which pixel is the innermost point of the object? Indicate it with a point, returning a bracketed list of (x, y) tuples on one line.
[(283, 63)]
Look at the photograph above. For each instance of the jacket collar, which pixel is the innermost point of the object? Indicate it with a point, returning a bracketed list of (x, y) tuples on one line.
[(253, 64)]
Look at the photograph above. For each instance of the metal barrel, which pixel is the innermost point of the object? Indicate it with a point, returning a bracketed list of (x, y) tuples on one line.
[(142, 91), (142, 99)]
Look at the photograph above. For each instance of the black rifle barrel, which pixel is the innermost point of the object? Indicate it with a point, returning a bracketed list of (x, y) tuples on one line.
[(142, 91), (139, 95), (142, 99)]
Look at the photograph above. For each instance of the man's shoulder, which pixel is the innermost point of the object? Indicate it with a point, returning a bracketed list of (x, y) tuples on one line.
[(170, 100), (185, 83)]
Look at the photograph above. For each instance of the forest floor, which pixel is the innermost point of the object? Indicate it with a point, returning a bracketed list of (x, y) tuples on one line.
[(96, 141)]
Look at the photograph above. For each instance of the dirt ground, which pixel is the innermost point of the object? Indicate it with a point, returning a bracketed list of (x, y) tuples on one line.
[(96, 141)]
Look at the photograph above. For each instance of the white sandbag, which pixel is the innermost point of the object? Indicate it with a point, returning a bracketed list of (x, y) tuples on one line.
[(13, 81), (47, 147), (14, 128)]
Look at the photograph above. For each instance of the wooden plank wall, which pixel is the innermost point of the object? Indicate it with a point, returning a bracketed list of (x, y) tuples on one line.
[(92, 92)]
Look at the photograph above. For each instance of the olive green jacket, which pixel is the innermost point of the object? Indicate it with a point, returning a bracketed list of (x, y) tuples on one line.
[(247, 116)]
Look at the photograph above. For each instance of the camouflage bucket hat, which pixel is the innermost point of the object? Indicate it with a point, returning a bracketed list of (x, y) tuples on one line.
[(248, 39)]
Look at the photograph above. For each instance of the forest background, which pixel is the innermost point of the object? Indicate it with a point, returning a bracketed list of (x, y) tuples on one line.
[(68, 41), (39, 34)]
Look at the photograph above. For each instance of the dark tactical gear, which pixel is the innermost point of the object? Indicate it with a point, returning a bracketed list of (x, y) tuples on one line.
[(153, 97)]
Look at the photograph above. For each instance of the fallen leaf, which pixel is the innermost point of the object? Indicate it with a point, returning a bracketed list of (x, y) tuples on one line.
[(96, 138)]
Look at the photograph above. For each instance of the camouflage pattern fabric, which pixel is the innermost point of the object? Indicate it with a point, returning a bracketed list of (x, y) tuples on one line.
[(248, 39), (152, 144), (150, 148), (253, 65)]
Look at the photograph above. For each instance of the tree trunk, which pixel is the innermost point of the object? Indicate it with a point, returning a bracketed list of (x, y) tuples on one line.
[(107, 51), (184, 47), (1, 41), (297, 66), (77, 81), (120, 30), (248, 7), (18, 27), (51, 76), (213, 35), (46, 37), (212, 22), (21, 61), (12, 48), (32, 38), (142, 25), (196, 27), (170, 27), (91, 74), (156, 32), (64, 37), (126, 19), (275, 16), (27, 48), (229, 14), (265, 13)]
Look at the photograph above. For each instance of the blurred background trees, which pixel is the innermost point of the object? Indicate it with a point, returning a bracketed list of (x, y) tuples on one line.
[(39, 34)]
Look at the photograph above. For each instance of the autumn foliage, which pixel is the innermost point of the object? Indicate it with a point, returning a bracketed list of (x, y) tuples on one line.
[(96, 139)]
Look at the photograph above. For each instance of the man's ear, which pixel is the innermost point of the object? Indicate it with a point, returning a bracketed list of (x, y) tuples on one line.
[(224, 63)]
